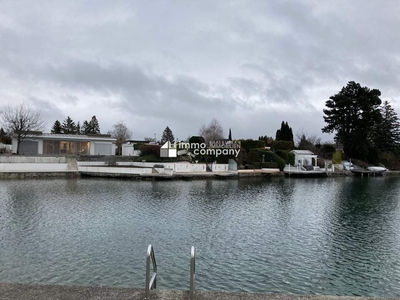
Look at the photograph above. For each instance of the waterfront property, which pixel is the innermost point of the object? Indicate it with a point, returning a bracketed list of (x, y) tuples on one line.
[(38, 143)]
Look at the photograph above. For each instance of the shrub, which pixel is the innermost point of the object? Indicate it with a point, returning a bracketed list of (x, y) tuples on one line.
[(248, 145), (270, 165), (283, 145), (327, 150), (337, 157), (282, 154), (258, 155), (290, 158), (150, 150)]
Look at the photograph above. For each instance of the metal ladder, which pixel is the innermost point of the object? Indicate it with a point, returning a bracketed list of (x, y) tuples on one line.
[(151, 283)]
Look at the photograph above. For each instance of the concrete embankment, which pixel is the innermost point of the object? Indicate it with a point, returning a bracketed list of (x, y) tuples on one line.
[(41, 166), (37, 166), (52, 292)]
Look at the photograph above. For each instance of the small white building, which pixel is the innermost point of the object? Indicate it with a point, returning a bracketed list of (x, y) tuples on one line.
[(304, 157), (39, 143)]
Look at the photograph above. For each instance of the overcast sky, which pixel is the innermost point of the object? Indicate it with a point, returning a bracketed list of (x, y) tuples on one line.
[(249, 64)]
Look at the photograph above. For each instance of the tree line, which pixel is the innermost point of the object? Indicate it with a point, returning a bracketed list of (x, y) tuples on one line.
[(68, 126), (367, 128)]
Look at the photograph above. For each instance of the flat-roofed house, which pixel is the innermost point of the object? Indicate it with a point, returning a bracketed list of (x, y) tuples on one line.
[(39, 143)]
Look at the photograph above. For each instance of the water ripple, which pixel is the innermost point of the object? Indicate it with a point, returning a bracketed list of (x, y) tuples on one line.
[(319, 236)]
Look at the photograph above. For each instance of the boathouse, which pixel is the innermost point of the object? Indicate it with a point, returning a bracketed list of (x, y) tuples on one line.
[(304, 158)]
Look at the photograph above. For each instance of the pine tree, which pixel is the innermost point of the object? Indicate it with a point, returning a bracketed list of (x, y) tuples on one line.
[(68, 126), (85, 127), (167, 136), (387, 132), (230, 135), (352, 114), (57, 128), (94, 126)]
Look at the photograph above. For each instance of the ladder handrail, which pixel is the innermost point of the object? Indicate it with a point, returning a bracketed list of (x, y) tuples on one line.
[(150, 283), (192, 273)]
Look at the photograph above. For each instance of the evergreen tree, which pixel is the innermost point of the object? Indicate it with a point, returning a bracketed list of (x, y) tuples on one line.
[(230, 135), (4, 137), (167, 135), (68, 126), (78, 128), (85, 127), (387, 132), (57, 128), (353, 114), (285, 133), (94, 126)]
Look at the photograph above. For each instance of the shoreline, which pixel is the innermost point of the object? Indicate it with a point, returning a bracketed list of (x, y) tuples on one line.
[(166, 177), (14, 291)]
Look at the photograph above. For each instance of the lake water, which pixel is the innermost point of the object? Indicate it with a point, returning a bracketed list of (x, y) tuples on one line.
[(335, 236)]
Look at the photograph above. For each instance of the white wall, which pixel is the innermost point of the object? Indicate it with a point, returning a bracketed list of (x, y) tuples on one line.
[(14, 144), (219, 167), (33, 159), (128, 150), (33, 167), (116, 170), (181, 167), (40, 146)]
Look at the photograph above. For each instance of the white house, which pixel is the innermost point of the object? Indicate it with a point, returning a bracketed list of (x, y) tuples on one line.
[(304, 157), (39, 143)]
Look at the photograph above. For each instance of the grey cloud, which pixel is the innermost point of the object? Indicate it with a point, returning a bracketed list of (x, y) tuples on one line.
[(251, 64)]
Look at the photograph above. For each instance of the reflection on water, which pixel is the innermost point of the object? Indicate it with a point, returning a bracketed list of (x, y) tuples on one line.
[(337, 236)]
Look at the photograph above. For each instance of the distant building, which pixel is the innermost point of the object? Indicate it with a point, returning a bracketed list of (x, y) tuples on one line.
[(304, 157), (39, 143)]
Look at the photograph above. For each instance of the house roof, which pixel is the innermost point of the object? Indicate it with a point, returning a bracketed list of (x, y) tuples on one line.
[(72, 137), (302, 152)]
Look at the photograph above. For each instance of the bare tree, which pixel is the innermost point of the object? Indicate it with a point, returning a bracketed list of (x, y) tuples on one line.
[(121, 133), (20, 120), (212, 132), (307, 142)]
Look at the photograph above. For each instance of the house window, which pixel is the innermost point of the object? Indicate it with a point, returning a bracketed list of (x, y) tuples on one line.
[(65, 147)]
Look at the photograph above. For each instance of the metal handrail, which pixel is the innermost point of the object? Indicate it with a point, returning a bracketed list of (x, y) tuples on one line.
[(150, 282), (192, 273)]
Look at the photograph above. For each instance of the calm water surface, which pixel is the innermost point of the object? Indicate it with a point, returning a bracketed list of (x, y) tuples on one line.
[(336, 236)]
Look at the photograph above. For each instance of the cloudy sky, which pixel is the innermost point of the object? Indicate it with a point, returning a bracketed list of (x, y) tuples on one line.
[(249, 64)]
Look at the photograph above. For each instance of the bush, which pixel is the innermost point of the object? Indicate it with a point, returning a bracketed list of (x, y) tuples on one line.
[(327, 150), (270, 165), (249, 144), (283, 145), (257, 155), (150, 150), (337, 157), (282, 154), (290, 158)]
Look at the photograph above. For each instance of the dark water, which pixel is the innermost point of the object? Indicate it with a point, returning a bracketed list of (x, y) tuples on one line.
[(338, 236)]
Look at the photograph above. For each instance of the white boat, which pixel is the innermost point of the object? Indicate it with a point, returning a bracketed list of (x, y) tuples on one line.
[(377, 169)]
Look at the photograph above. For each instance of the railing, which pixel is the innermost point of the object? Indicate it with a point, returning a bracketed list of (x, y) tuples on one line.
[(192, 273), (150, 282)]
